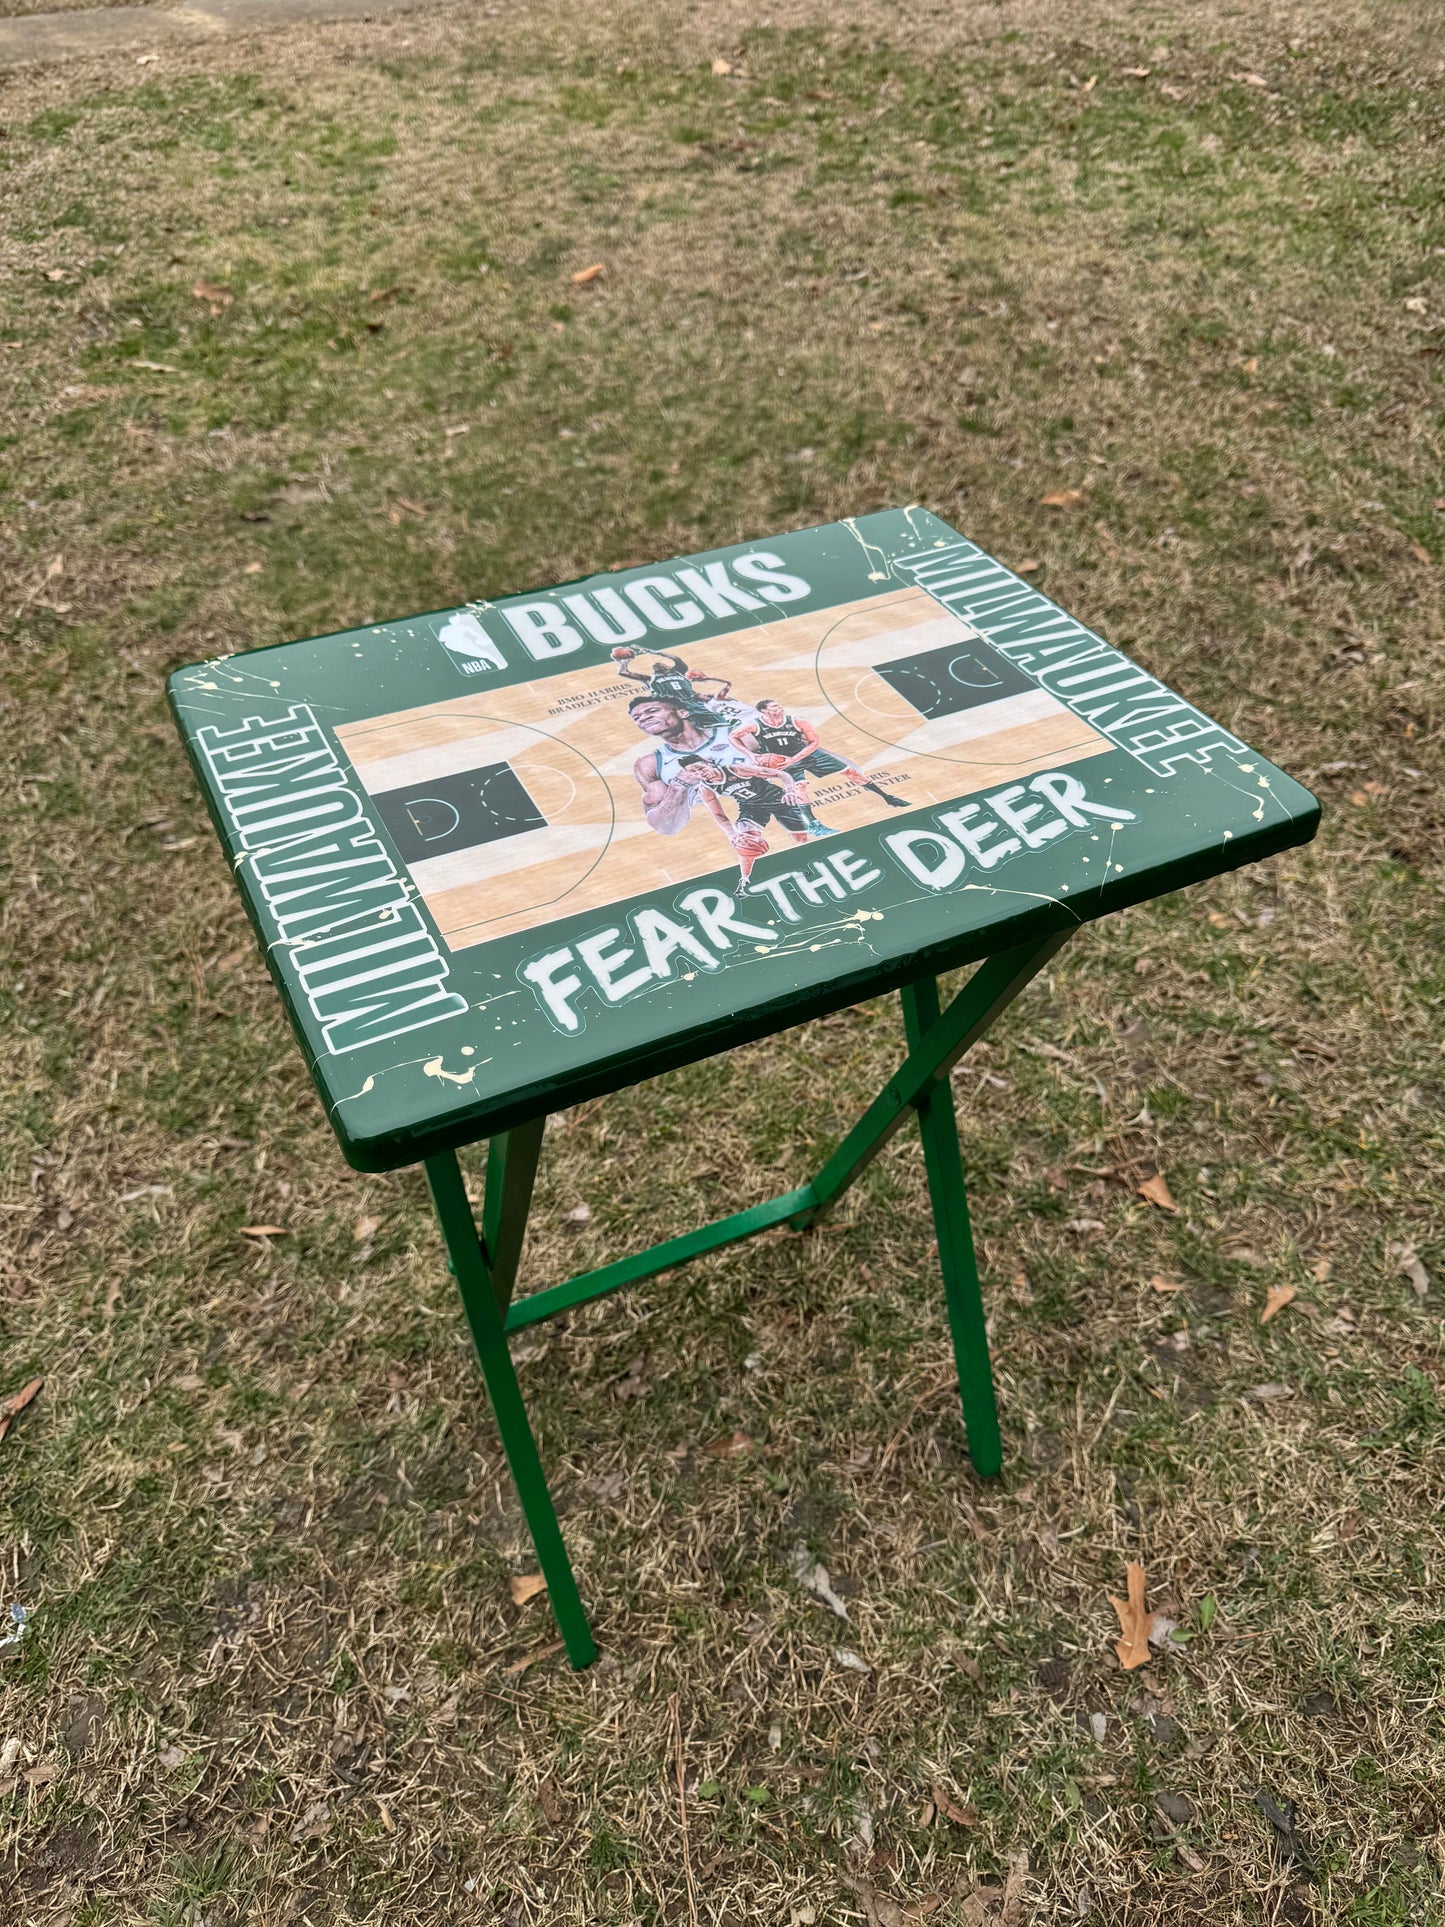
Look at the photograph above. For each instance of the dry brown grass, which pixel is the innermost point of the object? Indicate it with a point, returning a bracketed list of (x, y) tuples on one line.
[(258, 1510), (20, 9)]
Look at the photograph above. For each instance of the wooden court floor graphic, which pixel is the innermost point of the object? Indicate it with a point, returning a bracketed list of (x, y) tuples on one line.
[(513, 807)]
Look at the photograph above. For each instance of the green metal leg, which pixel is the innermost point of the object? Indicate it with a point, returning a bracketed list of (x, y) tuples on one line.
[(938, 1128), (505, 1214), (485, 1266), (511, 1173)]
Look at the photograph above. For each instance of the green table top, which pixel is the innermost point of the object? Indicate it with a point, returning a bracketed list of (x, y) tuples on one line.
[(494, 854)]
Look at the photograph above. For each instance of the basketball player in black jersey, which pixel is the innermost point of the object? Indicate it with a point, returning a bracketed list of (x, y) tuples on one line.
[(674, 682), (726, 771), (790, 745)]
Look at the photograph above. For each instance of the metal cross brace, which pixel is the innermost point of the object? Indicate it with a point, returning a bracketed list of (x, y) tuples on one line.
[(484, 1262)]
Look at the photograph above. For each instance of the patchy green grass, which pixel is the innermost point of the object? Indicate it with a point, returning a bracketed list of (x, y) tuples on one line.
[(293, 342)]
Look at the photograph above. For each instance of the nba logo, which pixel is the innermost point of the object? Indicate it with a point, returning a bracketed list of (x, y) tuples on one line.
[(469, 645)]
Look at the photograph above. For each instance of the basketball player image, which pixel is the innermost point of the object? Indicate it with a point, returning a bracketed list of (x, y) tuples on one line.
[(781, 742), (689, 760), (724, 771), (672, 680)]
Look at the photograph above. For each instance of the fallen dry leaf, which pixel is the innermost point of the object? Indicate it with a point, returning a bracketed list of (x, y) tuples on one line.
[(55, 568), (252, 568), (1414, 1270), (524, 1586), (1062, 498), (1250, 80), (365, 1228), (208, 291), (1265, 1394), (1321, 1269), (961, 1816), (1090, 84), (878, 1909), (1420, 552), (1276, 1298), (1029, 566), (17, 1401), (383, 294), (631, 1383), (11, 1407), (1135, 1621), (721, 67), (313, 1823), (1156, 1283), (1156, 1192), (537, 1653), (584, 276), (156, 367), (1013, 1892), (814, 1577), (549, 1800), (1136, 73), (263, 1231), (728, 1448), (579, 1214)]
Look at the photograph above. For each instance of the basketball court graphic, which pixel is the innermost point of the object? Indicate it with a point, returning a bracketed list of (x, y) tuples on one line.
[(434, 817), (514, 806)]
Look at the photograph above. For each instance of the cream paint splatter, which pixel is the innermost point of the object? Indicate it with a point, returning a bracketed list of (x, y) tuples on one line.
[(870, 550), (849, 928), (433, 1068), (1114, 829), (409, 1063), (1257, 813), (1034, 896)]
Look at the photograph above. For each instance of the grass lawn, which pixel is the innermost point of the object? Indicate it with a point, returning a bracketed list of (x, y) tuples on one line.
[(291, 340), (14, 9)]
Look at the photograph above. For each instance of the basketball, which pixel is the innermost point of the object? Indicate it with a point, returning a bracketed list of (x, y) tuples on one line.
[(748, 840), (623, 654), (770, 761), (695, 675)]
